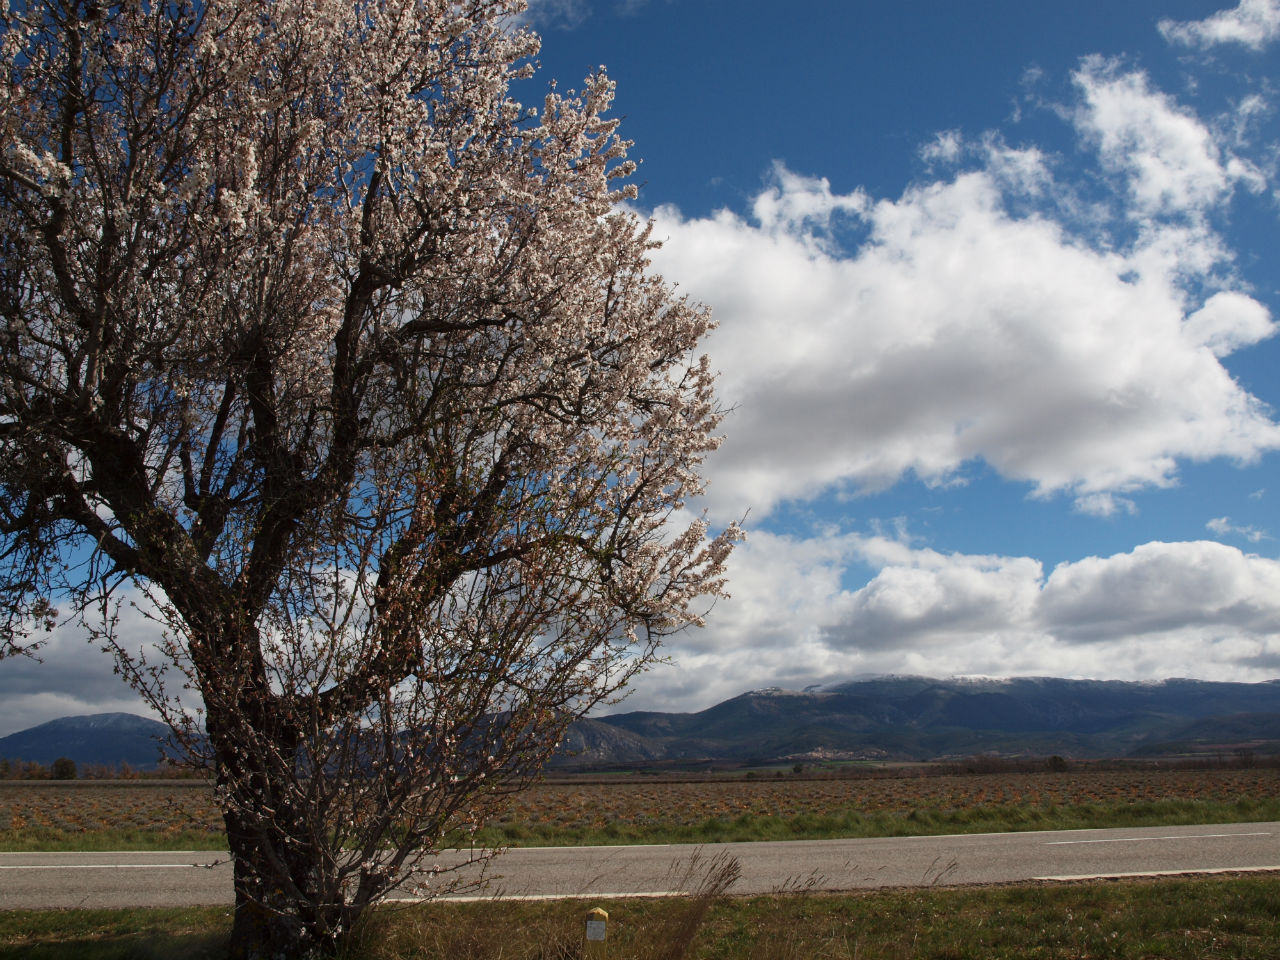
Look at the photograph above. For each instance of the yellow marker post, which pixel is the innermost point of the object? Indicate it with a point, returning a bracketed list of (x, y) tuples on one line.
[(597, 920)]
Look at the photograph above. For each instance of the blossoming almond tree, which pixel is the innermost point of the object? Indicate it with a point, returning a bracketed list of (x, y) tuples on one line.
[(353, 366)]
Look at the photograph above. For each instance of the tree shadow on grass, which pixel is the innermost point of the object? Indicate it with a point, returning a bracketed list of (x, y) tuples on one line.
[(190, 947), (193, 934)]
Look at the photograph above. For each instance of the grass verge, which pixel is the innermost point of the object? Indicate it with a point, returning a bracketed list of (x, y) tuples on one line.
[(51, 840), (1205, 918)]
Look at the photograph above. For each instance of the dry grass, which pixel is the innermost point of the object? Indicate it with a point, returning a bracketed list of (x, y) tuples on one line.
[(1187, 919), (658, 929), (1194, 918)]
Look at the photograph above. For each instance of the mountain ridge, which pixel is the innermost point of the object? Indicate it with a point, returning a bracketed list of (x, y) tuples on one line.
[(904, 717), (896, 717)]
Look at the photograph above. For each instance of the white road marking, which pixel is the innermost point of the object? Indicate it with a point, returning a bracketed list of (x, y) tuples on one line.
[(1196, 836), (1160, 873)]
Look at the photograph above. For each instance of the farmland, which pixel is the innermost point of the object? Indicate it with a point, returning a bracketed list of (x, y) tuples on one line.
[(636, 809), (1183, 918), (787, 808)]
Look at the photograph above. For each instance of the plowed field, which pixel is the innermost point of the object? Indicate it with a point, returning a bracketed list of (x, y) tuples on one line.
[(47, 815)]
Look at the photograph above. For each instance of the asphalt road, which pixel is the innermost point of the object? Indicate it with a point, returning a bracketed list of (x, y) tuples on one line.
[(103, 880)]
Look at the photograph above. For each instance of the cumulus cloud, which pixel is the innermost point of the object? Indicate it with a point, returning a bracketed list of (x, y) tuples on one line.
[(1200, 608), (795, 618), (1228, 321), (1251, 23), (982, 316), (1203, 588), (1168, 157), (958, 332), (923, 598), (945, 147)]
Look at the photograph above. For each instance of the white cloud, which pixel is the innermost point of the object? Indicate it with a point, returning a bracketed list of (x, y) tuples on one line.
[(569, 14), (1223, 527), (802, 206), (926, 599), (1170, 159), (1202, 588), (1252, 23), (1228, 321), (959, 331), (945, 147), (1199, 609), (74, 674), (768, 632), (1104, 505)]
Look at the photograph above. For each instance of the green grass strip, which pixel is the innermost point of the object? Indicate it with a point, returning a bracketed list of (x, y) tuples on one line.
[(50, 840)]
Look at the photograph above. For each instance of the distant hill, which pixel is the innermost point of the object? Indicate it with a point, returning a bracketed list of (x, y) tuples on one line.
[(109, 739), (883, 718), (920, 718), (596, 743)]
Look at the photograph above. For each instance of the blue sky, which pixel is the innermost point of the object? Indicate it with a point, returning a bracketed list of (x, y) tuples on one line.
[(997, 288)]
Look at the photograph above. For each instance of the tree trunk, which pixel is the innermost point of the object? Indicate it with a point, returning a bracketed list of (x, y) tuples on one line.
[(264, 926), (289, 904), (273, 922)]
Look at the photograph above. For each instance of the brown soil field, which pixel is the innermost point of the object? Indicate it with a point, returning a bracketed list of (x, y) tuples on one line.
[(160, 807), (80, 806), (595, 804)]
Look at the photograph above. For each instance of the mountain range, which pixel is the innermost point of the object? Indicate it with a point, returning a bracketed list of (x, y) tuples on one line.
[(920, 718), (879, 718)]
